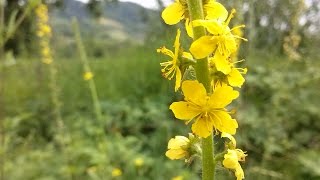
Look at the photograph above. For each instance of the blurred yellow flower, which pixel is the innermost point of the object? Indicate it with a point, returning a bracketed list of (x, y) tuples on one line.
[(208, 111), (177, 178), (231, 161), (171, 68), (178, 147), (116, 172), (87, 76), (138, 162)]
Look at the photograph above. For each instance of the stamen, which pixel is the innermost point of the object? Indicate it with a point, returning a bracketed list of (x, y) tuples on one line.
[(235, 36), (237, 27), (242, 60), (233, 11)]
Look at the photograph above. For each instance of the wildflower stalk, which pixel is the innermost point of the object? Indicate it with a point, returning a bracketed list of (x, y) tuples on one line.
[(2, 128), (202, 72), (86, 68)]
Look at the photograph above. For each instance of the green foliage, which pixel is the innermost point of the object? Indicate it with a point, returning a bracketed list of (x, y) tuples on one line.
[(280, 117)]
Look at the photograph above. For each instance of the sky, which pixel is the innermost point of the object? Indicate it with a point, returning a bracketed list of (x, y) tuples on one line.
[(145, 3)]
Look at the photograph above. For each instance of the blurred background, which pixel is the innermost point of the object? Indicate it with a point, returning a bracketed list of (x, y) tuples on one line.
[(56, 125)]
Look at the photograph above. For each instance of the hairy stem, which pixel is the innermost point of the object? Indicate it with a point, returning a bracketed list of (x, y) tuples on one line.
[(202, 72)]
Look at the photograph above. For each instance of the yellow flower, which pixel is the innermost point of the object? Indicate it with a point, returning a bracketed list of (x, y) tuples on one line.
[(171, 67), (231, 138), (138, 162), (116, 172), (231, 161), (177, 178), (178, 148), (221, 38), (235, 77), (87, 75), (178, 10), (229, 73), (208, 111), (43, 30)]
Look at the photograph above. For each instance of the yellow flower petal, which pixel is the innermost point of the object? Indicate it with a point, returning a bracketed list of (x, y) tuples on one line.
[(116, 172), (230, 137), (184, 110), (189, 29), (173, 13), (202, 127), (230, 43), (178, 79), (222, 63), (230, 159), (177, 147), (177, 142), (213, 26), (194, 91), (235, 78), (222, 96), (224, 123), (216, 10), (176, 154), (239, 173), (203, 47)]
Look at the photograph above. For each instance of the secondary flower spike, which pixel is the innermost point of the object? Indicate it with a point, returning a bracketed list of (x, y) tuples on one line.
[(207, 111)]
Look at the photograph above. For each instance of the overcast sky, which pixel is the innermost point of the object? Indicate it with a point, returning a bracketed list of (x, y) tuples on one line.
[(146, 3)]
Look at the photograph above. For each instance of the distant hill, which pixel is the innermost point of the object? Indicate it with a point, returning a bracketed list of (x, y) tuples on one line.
[(120, 21)]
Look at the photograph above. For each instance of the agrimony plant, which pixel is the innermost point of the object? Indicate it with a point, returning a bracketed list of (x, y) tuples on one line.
[(206, 98)]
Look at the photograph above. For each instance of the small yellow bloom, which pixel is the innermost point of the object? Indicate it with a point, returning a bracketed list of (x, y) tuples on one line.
[(178, 148), (116, 172), (87, 76), (208, 111), (231, 161), (46, 51), (229, 73), (138, 162), (230, 137), (221, 38), (177, 178), (171, 68)]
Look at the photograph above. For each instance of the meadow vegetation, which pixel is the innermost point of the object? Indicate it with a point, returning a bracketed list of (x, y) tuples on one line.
[(278, 113)]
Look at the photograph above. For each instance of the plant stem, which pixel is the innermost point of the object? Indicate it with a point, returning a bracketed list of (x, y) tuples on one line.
[(202, 72), (86, 68), (2, 105)]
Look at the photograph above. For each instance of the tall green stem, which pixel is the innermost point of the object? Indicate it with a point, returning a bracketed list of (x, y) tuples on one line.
[(2, 80), (86, 67), (202, 72)]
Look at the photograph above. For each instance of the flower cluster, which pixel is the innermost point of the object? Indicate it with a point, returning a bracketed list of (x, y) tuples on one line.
[(44, 33), (205, 103)]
